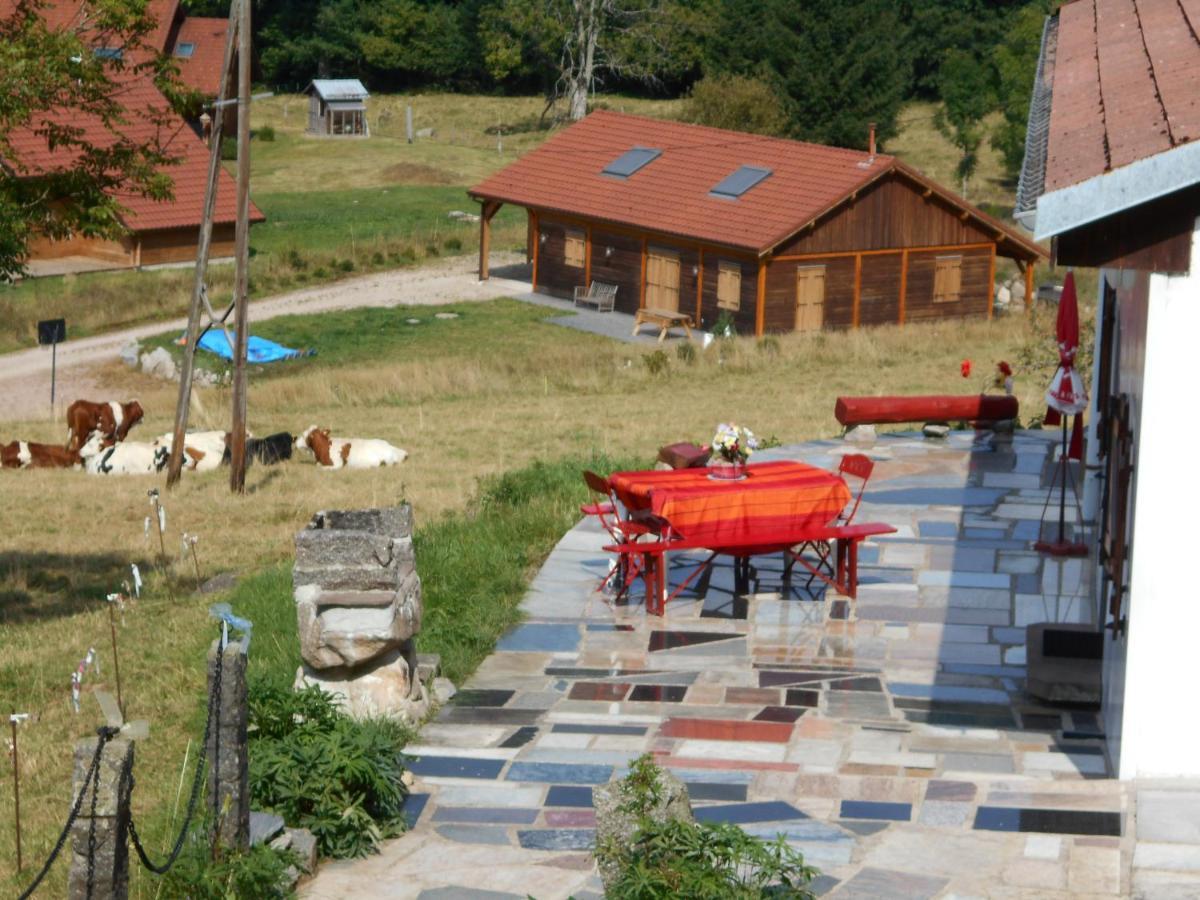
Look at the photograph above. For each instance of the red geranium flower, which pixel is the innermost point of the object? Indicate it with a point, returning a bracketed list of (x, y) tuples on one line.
[(965, 368), (1005, 369)]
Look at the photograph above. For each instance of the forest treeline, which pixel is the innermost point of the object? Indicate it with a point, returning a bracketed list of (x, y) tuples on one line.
[(811, 69)]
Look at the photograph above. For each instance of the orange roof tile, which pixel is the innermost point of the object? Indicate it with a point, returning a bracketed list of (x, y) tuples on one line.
[(202, 70), (1125, 77), (671, 194)]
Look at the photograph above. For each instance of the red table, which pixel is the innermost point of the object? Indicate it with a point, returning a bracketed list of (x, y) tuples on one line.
[(774, 498)]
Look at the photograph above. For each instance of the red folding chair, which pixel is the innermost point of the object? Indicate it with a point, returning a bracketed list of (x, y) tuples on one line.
[(606, 509), (855, 465)]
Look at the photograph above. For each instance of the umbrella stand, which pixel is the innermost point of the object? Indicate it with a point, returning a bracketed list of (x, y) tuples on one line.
[(1062, 474)]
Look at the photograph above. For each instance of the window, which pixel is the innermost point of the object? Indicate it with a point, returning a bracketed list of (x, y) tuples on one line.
[(631, 161), (947, 279), (729, 285), (185, 50), (109, 52), (573, 249), (738, 182)]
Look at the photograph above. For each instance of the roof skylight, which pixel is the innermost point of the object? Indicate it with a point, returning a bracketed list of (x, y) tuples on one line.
[(737, 183), (184, 50), (631, 161)]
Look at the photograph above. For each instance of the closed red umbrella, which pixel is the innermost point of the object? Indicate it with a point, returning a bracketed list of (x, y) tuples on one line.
[(1066, 396)]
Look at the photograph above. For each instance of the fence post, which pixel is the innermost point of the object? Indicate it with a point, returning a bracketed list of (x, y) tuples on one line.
[(228, 789), (99, 853)]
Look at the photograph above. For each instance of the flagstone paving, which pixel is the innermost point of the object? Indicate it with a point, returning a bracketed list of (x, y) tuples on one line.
[(888, 738)]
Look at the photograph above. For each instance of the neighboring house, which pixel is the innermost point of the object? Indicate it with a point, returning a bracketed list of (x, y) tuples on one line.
[(158, 232), (783, 235), (1112, 176), (337, 107)]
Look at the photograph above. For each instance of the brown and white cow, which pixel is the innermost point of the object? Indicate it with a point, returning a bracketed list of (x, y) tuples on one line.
[(348, 453), (27, 455), (111, 420), (203, 451)]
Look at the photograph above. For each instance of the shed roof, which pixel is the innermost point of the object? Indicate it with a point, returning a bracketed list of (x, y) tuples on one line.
[(672, 193), (338, 88)]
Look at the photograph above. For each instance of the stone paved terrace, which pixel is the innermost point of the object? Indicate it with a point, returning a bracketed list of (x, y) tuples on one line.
[(888, 737)]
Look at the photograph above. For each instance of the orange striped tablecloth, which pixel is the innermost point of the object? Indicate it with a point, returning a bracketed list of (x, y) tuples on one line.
[(774, 497)]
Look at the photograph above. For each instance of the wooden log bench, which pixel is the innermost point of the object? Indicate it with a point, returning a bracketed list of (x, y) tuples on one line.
[(665, 319), (598, 294), (852, 411)]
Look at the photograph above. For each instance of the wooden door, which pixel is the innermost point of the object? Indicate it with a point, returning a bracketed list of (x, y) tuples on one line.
[(662, 281), (810, 298)]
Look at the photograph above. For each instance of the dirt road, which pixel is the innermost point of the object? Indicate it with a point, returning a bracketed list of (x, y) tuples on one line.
[(25, 375)]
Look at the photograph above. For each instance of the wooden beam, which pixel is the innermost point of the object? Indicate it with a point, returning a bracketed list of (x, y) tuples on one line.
[(760, 306), (903, 284), (939, 248), (700, 287), (857, 287), (486, 212), (642, 279), (587, 256), (991, 281), (1028, 285), (537, 243)]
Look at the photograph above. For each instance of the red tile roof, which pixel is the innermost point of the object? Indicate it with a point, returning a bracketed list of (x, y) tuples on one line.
[(202, 70), (1125, 85), (671, 194), (147, 119)]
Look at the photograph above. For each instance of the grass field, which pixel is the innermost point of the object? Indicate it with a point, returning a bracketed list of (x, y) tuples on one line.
[(341, 207), (493, 390)]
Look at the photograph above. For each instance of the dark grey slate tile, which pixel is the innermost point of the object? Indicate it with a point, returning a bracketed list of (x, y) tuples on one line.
[(939, 789), (557, 839), (486, 815), (473, 715), (481, 697), (672, 640), (589, 728), (414, 805), (744, 813), (780, 713), (475, 834), (569, 795), (559, 773), (520, 737), (657, 693), (872, 809), (1048, 821), (541, 638), (707, 790), (455, 767)]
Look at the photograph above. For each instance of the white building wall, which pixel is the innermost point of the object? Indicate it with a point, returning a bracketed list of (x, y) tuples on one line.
[(1150, 688)]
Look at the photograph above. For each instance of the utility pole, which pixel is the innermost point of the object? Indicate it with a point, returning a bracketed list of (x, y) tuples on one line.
[(203, 248), (237, 440)]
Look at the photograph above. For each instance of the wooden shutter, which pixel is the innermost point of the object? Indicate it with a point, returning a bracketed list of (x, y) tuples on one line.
[(947, 279), (573, 249), (810, 298), (662, 281), (729, 285)]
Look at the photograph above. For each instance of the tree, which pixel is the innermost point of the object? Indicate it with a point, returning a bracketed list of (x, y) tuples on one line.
[(967, 96), (572, 44), (739, 103), (839, 65), (85, 92)]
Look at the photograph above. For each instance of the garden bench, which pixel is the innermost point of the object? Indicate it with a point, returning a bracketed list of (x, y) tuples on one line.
[(851, 411), (665, 319), (602, 296)]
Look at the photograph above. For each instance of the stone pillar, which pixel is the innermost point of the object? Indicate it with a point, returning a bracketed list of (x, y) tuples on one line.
[(109, 827), (228, 787)]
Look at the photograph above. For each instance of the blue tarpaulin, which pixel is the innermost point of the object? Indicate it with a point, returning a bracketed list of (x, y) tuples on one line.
[(258, 350)]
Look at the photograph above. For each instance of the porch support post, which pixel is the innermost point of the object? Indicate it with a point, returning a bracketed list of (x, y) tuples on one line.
[(760, 306), (486, 211), (587, 256), (857, 288), (699, 286), (642, 279), (537, 241), (903, 283), (1029, 285), (991, 282)]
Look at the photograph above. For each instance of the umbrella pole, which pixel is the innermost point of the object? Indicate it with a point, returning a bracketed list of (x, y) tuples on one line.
[(1062, 494), (1062, 547)]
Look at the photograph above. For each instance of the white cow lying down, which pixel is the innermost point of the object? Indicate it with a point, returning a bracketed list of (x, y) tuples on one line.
[(125, 458), (202, 450), (348, 453)]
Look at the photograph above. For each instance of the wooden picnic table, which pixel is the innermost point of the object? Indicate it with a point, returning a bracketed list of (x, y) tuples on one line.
[(665, 319)]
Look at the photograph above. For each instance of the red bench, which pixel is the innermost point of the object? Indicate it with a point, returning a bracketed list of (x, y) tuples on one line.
[(844, 579), (851, 411)]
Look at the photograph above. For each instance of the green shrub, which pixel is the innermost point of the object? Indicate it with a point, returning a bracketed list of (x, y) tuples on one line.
[(228, 148), (377, 259), (258, 872), (409, 253), (295, 260), (724, 328), (343, 265), (453, 245), (656, 363), (319, 272), (700, 861), (266, 133), (431, 249), (738, 102), (320, 769), (686, 352)]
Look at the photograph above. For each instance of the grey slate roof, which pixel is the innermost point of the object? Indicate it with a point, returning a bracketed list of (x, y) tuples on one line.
[(338, 89)]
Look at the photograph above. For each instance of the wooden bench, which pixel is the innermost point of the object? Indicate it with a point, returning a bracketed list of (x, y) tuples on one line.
[(602, 296), (665, 320), (851, 411)]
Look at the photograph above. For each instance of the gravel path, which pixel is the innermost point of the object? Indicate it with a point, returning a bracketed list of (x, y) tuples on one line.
[(25, 374)]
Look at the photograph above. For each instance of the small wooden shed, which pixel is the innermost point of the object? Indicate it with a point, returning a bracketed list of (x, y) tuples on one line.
[(783, 235), (337, 107)]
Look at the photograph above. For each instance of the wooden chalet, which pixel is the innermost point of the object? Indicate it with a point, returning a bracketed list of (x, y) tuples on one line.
[(784, 235)]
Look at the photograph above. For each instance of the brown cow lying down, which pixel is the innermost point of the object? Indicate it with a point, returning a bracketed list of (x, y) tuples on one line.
[(112, 420), (348, 453), (26, 455)]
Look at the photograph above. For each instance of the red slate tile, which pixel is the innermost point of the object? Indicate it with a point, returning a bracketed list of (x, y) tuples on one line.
[(727, 730), (598, 690)]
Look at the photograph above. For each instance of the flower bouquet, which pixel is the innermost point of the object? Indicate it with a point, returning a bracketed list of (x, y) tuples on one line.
[(731, 447)]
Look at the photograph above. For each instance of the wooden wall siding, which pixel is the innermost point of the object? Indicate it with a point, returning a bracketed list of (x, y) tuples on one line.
[(780, 314), (879, 303), (890, 214), (744, 318), (554, 276), (179, 244), (621, 268), (919, 304)]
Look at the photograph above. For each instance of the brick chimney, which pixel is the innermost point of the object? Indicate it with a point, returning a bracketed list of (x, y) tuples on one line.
[(871, 139)]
